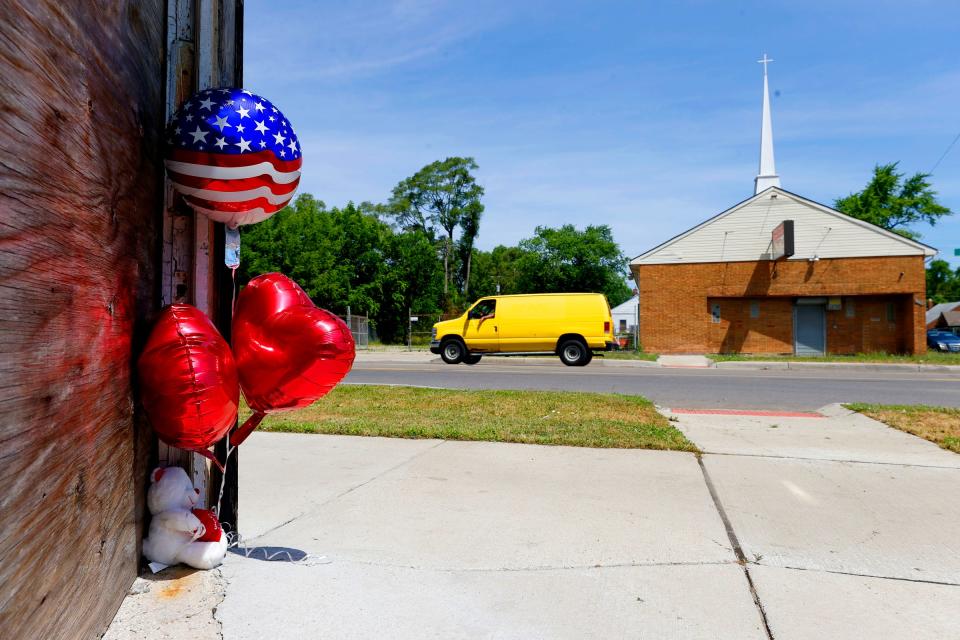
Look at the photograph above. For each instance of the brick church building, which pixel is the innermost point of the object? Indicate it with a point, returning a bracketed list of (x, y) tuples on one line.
[(781, 274)]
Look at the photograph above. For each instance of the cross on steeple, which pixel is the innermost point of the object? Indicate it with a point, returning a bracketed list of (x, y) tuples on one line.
[(764, 62)]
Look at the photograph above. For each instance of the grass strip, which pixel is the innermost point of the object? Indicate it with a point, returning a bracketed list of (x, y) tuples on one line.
[(630, 355), (531, 417), (931, 357), (940, 425)]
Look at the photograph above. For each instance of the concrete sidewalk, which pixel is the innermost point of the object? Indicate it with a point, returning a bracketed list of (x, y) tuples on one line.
[(468, 540), (842, 524), (820, 526), (846, 524)]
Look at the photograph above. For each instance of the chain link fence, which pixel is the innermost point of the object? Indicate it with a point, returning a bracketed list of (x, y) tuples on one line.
[(360, 328), (420, 327), (627, 341)]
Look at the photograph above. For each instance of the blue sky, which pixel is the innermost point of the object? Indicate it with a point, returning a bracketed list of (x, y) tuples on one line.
[(644, 116)]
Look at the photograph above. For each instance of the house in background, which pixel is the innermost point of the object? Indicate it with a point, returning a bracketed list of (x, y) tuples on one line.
[(625, 316), (936, 316), (781, 274), (949, 321)]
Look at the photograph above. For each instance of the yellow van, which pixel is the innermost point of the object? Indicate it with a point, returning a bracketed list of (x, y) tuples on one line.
[(570, 325)]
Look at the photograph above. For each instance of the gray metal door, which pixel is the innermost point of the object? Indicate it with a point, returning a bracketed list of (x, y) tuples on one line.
[(809, 330)]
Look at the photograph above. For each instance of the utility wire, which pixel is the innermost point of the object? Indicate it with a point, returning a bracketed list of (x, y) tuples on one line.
[(944, 155)]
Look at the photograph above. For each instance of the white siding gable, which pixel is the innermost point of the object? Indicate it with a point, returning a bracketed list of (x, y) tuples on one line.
[(743, 234), (630, 306), (627, 312)]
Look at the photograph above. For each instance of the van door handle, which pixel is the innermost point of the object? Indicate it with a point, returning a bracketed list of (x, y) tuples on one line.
[(495, 328)]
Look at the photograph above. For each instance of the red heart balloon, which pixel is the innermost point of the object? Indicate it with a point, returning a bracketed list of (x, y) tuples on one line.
[(211, 524), (289, 352), (188, 380)]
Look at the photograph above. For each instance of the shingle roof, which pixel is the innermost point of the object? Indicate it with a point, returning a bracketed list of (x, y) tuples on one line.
[(933, 313), (952, 318), (630, 306)]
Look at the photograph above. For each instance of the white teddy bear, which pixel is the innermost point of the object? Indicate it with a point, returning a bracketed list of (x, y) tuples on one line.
[(175, 531)]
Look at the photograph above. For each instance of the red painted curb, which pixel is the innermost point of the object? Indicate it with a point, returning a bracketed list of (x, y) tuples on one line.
[(685, 366), (747, 412)]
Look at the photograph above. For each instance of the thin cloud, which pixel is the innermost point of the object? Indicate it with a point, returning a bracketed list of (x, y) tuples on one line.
[(363, 39)]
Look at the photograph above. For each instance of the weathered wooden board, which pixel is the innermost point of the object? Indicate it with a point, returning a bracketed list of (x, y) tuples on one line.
[(81, 117), (178, 221), (204, 49)]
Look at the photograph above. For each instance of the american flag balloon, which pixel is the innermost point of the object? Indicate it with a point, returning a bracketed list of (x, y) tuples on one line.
[(233, 156)]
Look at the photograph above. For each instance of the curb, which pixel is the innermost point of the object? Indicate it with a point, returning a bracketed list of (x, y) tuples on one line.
[(866, 366), (738, 364), (627, 363), (402, 357)]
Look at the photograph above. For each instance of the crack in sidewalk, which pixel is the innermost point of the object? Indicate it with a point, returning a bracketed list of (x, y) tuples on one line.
[(860, 575), (735, 543), (223, 583)]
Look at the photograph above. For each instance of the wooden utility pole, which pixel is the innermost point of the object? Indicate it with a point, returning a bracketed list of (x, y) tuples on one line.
[(204, 49)]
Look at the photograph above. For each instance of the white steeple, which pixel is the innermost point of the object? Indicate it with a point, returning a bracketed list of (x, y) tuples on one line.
[(767, 177)]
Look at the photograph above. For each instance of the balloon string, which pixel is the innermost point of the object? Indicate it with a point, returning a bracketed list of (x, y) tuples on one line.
[(230, 448), (272, 554), (238, 436), (223, 477), (233, 298)]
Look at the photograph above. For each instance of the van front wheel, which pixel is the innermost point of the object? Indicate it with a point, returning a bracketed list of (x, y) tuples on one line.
[(574, 353), (452, 351)]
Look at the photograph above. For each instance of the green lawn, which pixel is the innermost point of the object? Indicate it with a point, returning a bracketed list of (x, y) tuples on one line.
[(630, 355), (532, 417), (931, 357), (940, 425)]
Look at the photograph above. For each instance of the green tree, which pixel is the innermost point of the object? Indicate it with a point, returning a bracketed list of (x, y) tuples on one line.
[(505, 268), (336, 255), (348, 256), (411, 280), (943, 284), (436, 200), (893, 203), (567, 260), (469, 230), (495, 272), (285, 241)]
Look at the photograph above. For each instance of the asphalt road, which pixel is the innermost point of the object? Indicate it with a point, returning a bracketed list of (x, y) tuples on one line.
[(682, 388)]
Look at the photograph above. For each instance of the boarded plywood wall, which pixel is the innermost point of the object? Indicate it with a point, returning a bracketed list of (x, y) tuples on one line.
[(81, 114)]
